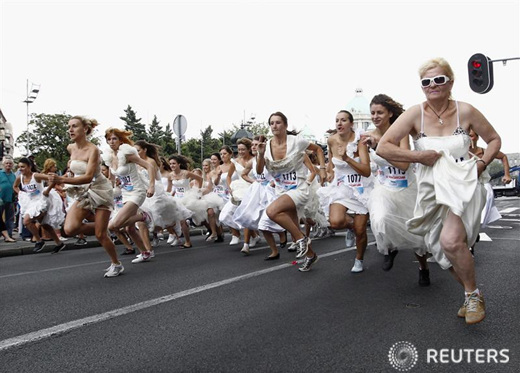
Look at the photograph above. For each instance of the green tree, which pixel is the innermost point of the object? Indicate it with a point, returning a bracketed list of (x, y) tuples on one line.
[(132, 123), (209, 143), (259, 129), (46, 137), (167, 142), (191, 149), (155, 132)]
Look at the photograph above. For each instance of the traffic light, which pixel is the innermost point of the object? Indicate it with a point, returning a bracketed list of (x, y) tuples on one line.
[(480, 72)]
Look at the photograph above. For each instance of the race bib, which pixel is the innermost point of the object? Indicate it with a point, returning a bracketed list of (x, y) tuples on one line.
[(179, 192), (32, 189), (287, 180), (392, 177), (126, 182), (221, 191), (353, 180), (118, 201)]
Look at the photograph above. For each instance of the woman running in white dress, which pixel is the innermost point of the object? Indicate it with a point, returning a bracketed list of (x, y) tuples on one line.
[(450, 182), (259, 194), (224, 177), (345, 199), (392, 201), (38, 204), (283, 156), (180, 179), (213, 203), (91, 191), (122, 158)]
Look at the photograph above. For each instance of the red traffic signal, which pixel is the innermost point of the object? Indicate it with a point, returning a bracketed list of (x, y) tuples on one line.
[(480, 72)]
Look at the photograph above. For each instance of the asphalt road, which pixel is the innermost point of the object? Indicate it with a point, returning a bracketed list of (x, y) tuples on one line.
[(211, 309)]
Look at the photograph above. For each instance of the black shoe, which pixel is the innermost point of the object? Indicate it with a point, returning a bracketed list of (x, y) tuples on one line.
[(39, 246), (220, 239), (128, 252), (81, 242), (283, 244), (388, 262), (424, 277), (277, 256), (58, 248)]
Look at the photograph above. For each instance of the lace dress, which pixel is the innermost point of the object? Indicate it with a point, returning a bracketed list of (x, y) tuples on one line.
[(450, 185)]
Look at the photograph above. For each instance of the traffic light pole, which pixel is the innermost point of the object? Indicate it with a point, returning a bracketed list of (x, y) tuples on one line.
[(504, 60)]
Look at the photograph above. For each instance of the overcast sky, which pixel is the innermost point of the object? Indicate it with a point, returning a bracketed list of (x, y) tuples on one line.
[(214, 61)]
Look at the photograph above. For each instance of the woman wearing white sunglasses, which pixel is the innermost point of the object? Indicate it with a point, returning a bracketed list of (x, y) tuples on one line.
[(451, 191)]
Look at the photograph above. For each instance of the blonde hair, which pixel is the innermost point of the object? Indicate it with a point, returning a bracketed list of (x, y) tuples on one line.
[(86, 122), (49, 163), (437, 62), (123, 135)]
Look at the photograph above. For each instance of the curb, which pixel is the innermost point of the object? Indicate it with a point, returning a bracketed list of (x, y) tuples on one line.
[(49, 246)]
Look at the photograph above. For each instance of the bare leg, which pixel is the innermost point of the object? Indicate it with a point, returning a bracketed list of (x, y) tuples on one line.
[(338, 217), (101, 228), (283, 212), (453, 243), (269, 238), (360, 229)]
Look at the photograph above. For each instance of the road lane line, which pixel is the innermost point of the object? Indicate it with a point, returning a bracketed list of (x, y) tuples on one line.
[(76, 324)]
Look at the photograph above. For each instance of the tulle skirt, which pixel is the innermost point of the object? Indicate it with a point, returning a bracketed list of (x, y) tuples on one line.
[(35, 206)]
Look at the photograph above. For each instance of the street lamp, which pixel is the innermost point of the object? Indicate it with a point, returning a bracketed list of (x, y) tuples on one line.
[(31, 96)]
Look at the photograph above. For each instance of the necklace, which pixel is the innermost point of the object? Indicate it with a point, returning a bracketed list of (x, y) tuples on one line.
[(439, 115)]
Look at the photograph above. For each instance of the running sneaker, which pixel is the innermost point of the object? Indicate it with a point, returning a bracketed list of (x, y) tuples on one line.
[(306, 267), (80, 242), (302, 247), (254, 241), (234, 240), (58, 248), (475, 308), (245, 249), (114, 270), (39, 246), (211, 238), (350, 238), (171, 237), (143, 257), (358, 266), (63, 239), (292, 247), (175, 241)]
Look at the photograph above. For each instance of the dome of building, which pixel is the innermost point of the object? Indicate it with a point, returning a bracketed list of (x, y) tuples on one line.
[(359, 107)]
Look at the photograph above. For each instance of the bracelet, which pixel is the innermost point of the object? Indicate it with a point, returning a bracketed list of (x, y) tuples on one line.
[(483, 161)]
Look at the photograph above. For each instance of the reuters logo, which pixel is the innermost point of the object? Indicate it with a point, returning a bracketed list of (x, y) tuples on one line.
[(402, 356)]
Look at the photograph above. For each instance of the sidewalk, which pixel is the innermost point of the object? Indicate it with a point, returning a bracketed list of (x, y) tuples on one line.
[(21, 247)]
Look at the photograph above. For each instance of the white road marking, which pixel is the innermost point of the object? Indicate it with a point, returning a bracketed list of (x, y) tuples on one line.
[(498, 227), (76, 324), (508, 210), (484, 237)]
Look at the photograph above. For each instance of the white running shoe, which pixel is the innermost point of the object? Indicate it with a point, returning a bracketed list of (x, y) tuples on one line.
[(171, 237), (358, 266), (114, 270), (303, 247), (143, 257), (245, 249), (175, 241), (350, 238), (234, 240), (253, 241)]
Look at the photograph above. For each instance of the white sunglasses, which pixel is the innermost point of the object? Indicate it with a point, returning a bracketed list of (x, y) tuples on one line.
[(438, 80)]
